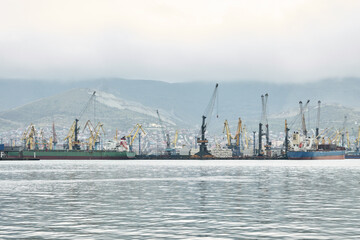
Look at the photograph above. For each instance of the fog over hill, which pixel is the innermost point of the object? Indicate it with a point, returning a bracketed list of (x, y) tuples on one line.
[(125, 102)]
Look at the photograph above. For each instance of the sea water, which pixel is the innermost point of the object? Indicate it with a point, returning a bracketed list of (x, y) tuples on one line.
[(172, 199)]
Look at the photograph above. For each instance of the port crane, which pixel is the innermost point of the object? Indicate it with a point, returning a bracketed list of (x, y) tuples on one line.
[(302, 115), (98, 127), (204, 153), (234, 147), (345, 134), (94, 134), (53, 139), (175, 138), (166, 136), (264, 121), (91, 129), (131, 137), (25, 135), (30, 137), (357, 141), (73, 134), (228, 134), (247, 139), (239, 133), (317, 136)]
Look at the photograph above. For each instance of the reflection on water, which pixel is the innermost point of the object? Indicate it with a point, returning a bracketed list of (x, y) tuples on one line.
[(180, 200)]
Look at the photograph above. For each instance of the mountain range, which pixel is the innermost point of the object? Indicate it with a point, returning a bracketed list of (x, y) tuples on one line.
[(121, 103)]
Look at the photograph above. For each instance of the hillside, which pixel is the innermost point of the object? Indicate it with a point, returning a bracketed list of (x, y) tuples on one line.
[(63, 108)]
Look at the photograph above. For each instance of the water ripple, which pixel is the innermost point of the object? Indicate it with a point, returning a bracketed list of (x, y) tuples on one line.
[(180, 200)]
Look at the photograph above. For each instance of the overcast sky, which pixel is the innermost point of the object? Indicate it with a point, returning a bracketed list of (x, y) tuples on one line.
[(180, 40)]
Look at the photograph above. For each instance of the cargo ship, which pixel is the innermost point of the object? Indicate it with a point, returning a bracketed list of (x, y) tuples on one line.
[(72, 154), (316, 155), (352, 155), (302, 148), (113, 150)]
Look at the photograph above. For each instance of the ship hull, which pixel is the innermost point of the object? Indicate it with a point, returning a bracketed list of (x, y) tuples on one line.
[(316, 155), (72, 155), (351, 156)]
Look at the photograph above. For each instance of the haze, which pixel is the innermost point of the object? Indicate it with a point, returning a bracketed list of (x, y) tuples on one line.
[(180, 40)]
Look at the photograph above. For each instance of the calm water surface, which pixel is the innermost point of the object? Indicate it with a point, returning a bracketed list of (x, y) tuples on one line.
[(180, 200)]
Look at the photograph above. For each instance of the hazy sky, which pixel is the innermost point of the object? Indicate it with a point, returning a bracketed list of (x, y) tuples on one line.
[(180, 40)]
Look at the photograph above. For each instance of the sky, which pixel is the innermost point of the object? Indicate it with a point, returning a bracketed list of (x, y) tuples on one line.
[(180, 40)]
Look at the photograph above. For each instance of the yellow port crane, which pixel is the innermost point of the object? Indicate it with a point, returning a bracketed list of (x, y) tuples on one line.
[(29, 137), (175, 138), (137, 128), (94, 134), (25, 134), (335, 137), (30, 140), (91, 141), (247, 139), (70, 137), (357, 141), (238, 133), (235, 148), (98, 127), (228, 134), (43, 140), (53, 139), (348, 140)]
